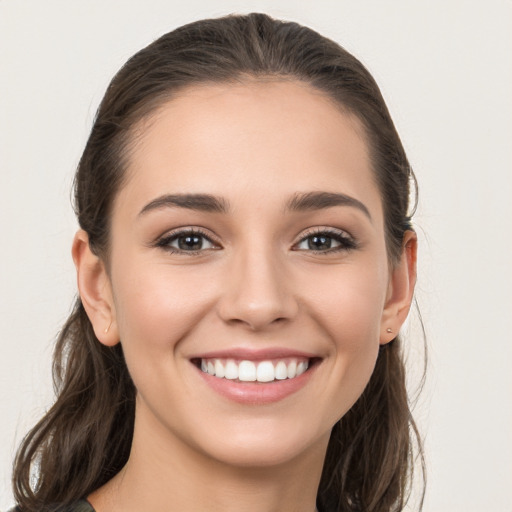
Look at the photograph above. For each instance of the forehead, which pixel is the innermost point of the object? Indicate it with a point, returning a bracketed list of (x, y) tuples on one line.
[(260, 137)]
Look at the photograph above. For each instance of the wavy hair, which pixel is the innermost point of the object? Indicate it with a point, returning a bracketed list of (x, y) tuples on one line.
[(85, 438)]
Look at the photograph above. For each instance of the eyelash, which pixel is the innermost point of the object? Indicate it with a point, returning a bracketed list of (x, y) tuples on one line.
[(346, 242), (167, 239)]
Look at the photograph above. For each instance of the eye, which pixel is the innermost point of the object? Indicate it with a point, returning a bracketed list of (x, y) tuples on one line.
[(190, 240), (323, 240)]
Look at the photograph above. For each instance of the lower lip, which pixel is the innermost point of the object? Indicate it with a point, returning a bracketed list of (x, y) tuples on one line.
[(257, 393)]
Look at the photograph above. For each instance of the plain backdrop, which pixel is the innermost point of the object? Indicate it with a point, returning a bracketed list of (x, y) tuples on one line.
[(445, 69)]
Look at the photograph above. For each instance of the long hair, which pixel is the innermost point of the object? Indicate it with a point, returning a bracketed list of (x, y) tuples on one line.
[(85, 438)]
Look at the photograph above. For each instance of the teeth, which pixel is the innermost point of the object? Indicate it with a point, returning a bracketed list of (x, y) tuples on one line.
[(231, 370), (265, 372), (281, 372), (301, 368), (249, 371), (291, 371), (219, 369)]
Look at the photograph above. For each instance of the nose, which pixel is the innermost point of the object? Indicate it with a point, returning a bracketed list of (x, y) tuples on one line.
[(257, 294)]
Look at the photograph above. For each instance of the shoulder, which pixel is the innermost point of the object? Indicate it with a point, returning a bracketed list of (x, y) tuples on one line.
[(79, 506)]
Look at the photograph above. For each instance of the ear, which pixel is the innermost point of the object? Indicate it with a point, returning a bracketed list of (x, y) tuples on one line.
[(400, 290), (95, 290)]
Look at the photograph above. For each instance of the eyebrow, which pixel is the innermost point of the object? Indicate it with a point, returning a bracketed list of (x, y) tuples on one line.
[(310, 201), (199, 202), (300, 202)]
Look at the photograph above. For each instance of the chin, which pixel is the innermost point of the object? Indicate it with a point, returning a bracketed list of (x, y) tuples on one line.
[(264, 445)]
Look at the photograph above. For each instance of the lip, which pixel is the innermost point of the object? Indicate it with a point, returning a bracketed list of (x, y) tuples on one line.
[(241, 354), (256, 393)]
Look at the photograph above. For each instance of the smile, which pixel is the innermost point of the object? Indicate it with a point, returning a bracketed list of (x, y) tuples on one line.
[(256, 377), (255, 371)]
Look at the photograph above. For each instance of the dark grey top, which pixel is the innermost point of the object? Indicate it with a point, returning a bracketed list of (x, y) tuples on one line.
[(79, 506)]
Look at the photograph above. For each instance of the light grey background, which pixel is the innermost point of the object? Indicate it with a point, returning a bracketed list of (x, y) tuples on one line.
[(445, 69)]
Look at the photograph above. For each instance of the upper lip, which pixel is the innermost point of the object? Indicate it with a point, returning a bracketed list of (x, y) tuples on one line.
[(254, 354)]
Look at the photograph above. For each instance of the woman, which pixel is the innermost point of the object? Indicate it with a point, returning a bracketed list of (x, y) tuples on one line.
[(245, 260)]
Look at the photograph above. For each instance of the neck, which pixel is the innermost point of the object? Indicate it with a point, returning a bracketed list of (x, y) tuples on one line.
[(165, 474)]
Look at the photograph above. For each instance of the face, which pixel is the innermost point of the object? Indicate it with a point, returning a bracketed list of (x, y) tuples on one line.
[(249, 280)]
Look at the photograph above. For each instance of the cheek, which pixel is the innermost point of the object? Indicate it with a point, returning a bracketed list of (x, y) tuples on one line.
[(348, 302), (348, 305), (156, 305)]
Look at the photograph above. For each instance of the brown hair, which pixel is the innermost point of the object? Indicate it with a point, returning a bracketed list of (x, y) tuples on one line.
[(85, 438)]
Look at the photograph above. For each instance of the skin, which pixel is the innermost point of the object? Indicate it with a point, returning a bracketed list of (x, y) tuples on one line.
[(256, 285)]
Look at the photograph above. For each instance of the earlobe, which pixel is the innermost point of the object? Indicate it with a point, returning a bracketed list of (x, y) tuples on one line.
[(400, 290), (95, 290)]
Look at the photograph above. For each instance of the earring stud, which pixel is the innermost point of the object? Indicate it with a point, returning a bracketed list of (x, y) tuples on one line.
[(389, 331), (108, 328)]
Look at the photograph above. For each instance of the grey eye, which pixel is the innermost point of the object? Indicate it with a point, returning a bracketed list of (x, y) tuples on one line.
[(186, 241), (321, 242), (191, 242), (326, 241)]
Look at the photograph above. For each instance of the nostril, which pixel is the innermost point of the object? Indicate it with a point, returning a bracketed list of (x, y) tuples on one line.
[(256, 299), (255, 323)]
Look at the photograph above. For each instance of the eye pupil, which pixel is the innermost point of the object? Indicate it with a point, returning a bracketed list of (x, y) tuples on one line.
[(190, 242), (319, 242)]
